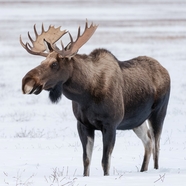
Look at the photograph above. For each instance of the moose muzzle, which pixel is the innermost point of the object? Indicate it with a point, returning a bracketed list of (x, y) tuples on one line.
[(30, 86)]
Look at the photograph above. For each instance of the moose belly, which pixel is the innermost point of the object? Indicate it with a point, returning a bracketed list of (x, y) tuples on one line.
[(135, 117)]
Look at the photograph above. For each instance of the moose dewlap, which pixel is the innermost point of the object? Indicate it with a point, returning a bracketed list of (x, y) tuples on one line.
[(107, 94)]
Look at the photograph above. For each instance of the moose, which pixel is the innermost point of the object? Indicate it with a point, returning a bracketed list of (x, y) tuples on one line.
[(106, 94)]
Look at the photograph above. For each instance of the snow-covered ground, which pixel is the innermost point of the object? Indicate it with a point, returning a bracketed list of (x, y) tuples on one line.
[(39, 144)]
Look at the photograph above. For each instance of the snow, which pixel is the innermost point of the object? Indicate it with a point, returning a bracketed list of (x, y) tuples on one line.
[(39, 143)]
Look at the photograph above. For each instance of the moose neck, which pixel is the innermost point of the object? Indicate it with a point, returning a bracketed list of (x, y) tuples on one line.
[(78, 86)]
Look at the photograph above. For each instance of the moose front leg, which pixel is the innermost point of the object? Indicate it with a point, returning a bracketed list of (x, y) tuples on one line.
[(109, 135), (87, 139)]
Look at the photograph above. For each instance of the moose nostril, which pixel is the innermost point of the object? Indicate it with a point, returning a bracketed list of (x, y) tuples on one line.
[(28, 84)]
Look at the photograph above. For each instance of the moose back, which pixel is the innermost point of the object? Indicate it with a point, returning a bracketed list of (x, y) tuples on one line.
[(107, 94)]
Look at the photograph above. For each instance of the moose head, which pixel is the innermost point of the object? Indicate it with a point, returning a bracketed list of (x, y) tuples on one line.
[(55, 69)]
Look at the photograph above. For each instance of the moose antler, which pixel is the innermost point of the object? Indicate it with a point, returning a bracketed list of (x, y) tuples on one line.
[(80, 41), (51, 35)]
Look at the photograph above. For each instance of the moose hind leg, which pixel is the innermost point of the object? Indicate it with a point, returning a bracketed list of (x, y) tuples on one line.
[(156, 129), (144, 134), (87, 139), (156, 125), (156, 121)]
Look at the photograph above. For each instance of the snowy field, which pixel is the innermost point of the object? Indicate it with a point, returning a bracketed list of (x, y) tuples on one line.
[(39, 143)]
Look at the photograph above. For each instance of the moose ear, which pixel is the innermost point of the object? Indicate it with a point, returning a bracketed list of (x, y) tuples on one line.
[(48, 46)]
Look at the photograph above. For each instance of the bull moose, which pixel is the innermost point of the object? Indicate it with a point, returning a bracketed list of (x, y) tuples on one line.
[(107, 94)]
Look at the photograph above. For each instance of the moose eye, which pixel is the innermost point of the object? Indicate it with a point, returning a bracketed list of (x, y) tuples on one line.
[(54, 65)]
